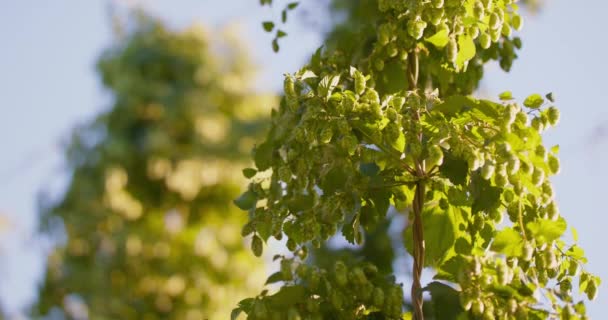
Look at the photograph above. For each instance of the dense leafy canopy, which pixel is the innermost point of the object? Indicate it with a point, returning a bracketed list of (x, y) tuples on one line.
[(387, 120), (150, 229)]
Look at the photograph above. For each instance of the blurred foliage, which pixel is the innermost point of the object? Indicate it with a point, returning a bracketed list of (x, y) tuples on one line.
[(150, 229)]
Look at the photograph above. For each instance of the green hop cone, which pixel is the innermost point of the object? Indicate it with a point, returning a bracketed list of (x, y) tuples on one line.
[(517, 22), (326, 135), (359, 83), (552, 115), (487, 171), (553, 163), (257, 246), (485, 40), (452, 50), (437, 3)]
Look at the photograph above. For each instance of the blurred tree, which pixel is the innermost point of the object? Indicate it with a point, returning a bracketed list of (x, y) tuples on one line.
[(150, 230)]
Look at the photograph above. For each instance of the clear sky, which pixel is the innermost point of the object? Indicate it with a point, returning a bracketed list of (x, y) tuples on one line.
[(48, 85)]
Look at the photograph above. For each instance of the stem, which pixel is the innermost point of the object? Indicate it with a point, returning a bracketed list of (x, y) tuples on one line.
[(418, 204)]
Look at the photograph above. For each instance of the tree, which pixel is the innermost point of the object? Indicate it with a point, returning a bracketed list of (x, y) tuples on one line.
[(387, 119), (149, 226)]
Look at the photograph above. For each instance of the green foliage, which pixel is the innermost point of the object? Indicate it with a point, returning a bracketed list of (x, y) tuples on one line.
[(150, 229), (356, 133)]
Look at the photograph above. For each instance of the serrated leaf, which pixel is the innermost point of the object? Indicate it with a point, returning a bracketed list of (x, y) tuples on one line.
[(507, 95), (439, 39), (262, 156), (509, 242), (456, 170), (466, 51), (246, 201), (534, 101), (485, 196), (399, 143), (268, 26), (439, 229), (287, 296), (327, 86), (249, 172), (235, 313), (545, 230), (301, 202), (445, 301), (275, 277)]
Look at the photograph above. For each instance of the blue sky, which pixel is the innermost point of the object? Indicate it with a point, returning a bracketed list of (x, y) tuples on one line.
[(48, 85)]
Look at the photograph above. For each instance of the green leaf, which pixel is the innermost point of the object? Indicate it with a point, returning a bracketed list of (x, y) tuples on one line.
[(275, 45), (399, 143), (287, 296), (439, 229), (352, 232), (439, 39), (249, 172), (275, 277), (574, 234), (327, 86), (466, 51), (301, 202), (485, 197), (507, 95), (235, 313), (247, 200), (381, 201), (445, 301), (292, 5), (268, 26), (509, 242), (280, 34), (545, 230), (334, 180), (534, 101), (370, 169), (262, 156), (456, 170)]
